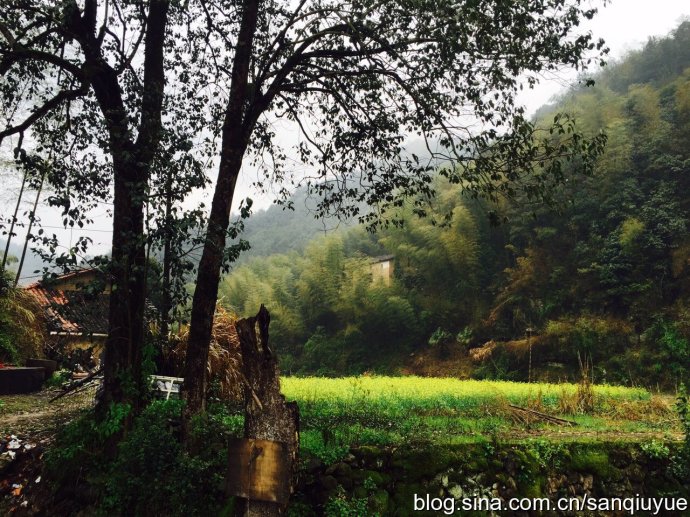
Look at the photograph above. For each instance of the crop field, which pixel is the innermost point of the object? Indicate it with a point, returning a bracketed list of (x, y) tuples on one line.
[(404, 394), (338, 413)]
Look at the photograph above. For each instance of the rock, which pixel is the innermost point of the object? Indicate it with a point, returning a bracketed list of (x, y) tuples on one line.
[(329, 483), (375, 477), (636, 473), (369, 454), (339, 470), (379, 501), (312, 464), (346, 483), (620, 458)]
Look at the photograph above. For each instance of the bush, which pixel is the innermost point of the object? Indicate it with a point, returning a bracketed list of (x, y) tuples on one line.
[(599, 339), (21, 325), (81, 446), (683, 410), (151, 456), (152, 473), (441, 340), (58, 379)]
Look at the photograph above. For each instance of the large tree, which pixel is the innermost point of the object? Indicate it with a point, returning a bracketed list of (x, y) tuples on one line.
[(101, 82), (76, 80), (356, 79)]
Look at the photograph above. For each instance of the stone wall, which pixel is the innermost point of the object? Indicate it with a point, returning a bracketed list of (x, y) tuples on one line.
[(383, 481)]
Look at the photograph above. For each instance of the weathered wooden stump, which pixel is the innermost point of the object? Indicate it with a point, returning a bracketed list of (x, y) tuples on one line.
[(263, 467)]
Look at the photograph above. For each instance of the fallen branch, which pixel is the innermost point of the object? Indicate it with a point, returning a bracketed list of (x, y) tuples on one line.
[(541, 416), (77, 384)]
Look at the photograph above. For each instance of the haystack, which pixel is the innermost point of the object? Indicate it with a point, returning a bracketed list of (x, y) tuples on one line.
[(224, 358)]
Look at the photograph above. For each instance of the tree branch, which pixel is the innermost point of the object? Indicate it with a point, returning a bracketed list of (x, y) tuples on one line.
[(13, 56), (154, 80), (43, 110)]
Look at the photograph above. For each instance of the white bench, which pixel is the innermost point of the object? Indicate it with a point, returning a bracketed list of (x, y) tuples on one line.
[(167, 386)]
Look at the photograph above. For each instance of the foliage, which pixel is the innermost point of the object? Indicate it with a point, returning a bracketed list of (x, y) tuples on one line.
[(683, 410), (82, 445), (22, 327), (112, 111), (151, 455), (342, 505), (655, 449), (607, 277), (58, 379), (440, 340)]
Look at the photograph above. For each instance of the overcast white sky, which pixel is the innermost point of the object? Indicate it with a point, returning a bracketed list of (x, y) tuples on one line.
[(624, 24)]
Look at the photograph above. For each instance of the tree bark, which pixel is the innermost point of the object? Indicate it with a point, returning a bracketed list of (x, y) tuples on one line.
[(235, 131), (124, 346), (267, 416), (122, 374), (166, 303)]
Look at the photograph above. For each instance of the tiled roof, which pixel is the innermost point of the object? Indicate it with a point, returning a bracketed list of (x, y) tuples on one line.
[(382, 258), (66, 276), (73, 311)]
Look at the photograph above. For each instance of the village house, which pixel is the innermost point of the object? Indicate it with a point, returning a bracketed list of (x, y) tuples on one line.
[(77, 317), (382, 269)]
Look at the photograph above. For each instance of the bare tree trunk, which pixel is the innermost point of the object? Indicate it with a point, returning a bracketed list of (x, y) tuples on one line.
[(166, 302), (124, 347), (32, 218), (122, 371), (267, 415), (14, 220), (235, 134)]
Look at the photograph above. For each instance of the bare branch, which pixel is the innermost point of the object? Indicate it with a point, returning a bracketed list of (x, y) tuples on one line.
[(6, 34)]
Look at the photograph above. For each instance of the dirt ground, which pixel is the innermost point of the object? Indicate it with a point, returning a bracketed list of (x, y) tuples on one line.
[(28, 425)]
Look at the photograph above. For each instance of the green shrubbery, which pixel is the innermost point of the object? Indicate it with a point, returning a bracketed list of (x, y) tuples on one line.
[(21, 324), (151, 474), (683, 410)]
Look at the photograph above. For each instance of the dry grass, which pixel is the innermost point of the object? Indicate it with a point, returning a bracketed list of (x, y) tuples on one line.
[(483, 353), (23, 325), (224, 358)]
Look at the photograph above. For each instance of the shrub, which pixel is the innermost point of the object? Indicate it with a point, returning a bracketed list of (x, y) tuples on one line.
[(342, 506), (177, 482), (441, 340), (81, 446), (21, 324), (683, 410)]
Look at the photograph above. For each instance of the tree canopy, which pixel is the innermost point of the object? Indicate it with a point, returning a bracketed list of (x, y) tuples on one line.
[(117, 90)]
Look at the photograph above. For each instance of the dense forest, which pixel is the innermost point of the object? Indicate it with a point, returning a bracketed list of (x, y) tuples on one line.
[(598, 278)]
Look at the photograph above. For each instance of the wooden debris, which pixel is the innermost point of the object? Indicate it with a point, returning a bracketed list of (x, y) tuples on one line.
[(74, 387), (528, 415)]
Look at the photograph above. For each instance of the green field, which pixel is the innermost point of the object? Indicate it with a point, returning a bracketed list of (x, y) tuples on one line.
[(354, 411)]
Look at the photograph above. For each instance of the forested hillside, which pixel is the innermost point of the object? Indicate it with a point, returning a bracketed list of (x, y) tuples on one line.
[(601, 276)]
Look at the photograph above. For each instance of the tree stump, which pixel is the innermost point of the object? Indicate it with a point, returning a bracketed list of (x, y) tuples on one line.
[(267, 415)]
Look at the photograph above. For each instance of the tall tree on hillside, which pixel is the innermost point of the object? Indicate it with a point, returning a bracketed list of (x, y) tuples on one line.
[(359, 76)]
